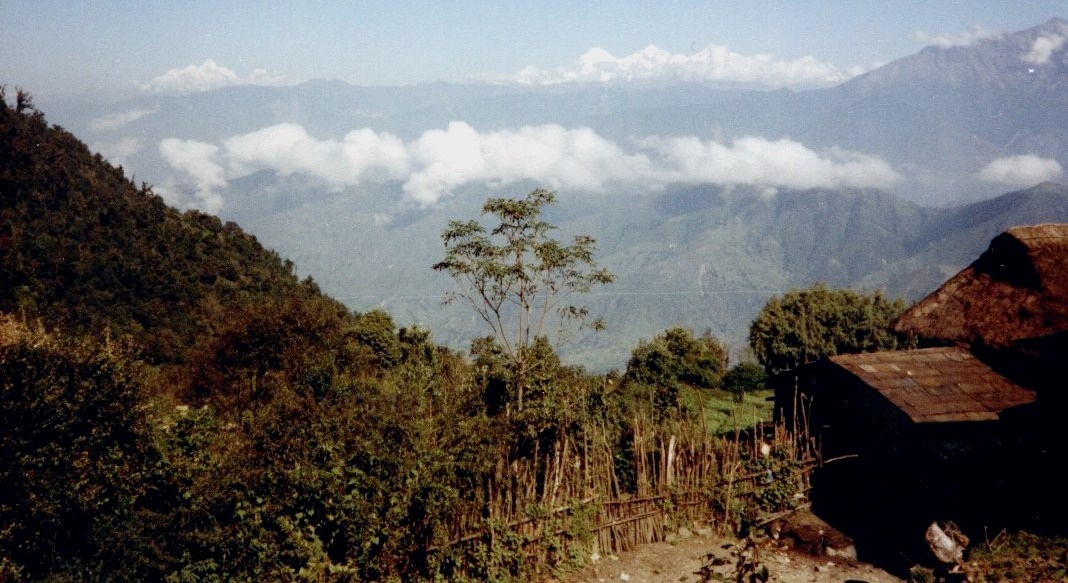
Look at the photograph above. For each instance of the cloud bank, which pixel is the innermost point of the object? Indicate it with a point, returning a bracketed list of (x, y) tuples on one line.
[(714, 63), (955, 39), (288, 149), (1043, 47), (207, 76), (758, 161), (442, 160), (197, 161), (1025, 170), (118, 152)]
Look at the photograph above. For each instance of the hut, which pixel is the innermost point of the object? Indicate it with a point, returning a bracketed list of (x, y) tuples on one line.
[(959, 427), (1016, 290), (1010, 307), (907, 437), (935, 403), (1001, 326)]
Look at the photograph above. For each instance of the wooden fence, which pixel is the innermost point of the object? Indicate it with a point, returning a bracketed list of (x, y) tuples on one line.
[(685, 482)]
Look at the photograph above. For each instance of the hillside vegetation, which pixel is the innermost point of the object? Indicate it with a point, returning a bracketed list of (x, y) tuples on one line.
[(175, 405), (85, 250)]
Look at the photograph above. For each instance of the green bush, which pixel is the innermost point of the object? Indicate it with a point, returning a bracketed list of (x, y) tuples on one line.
[(745, 377), (73, 459)]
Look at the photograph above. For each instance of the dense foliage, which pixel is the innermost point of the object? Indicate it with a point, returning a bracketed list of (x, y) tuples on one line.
[(744, 377), (74, 456), (659, 370), (83, 248), (807, 324)]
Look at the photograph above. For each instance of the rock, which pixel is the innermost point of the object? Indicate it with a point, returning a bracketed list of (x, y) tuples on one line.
[(806, 532), (847, 552), (684, 532)]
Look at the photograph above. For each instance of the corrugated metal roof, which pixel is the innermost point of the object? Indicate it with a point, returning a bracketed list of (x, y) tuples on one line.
[(936, 385)]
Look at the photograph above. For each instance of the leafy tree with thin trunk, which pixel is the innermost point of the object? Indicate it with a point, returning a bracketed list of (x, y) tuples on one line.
[(520, 280)]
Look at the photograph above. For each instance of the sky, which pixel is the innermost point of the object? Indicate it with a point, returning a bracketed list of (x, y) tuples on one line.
[(110, 47)]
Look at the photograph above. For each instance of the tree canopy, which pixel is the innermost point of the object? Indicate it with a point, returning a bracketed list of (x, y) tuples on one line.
[(658, 370), (678, 356), (518, 279), (807, 324)]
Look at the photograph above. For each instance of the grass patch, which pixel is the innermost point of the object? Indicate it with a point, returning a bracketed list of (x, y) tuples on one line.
[(724, 415), (1019, 556)]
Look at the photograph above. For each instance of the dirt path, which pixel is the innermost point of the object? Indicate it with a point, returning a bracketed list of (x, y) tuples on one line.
[(681, 560)]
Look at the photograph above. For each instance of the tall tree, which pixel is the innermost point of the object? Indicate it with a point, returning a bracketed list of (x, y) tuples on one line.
[(808, 324), (520, 280)]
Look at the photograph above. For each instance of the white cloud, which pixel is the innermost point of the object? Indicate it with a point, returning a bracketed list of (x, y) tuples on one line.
[(118, 120), (1043, 48), (550, 154), (118, 152), (955, 39), (758, 161), (714, 63), (288, 149), (207, 76), (1024, 170), (197, 161), (447, 158), (577, 159)]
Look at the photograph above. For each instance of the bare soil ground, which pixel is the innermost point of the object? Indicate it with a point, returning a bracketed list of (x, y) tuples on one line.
[(681, 561)]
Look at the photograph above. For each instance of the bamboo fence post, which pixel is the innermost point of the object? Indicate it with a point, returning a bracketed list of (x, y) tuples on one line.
[(671, 461)]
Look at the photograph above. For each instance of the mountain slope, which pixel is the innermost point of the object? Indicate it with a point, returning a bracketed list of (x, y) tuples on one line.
[(955, 237), (85, 250)]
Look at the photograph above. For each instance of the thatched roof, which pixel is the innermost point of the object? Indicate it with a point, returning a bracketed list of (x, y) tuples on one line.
[(936, 385), (1016, 290)]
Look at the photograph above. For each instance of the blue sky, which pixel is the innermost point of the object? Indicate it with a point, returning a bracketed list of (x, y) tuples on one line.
[(52, 47)]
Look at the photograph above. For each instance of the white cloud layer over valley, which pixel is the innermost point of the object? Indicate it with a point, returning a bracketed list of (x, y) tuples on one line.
[(440, 161)]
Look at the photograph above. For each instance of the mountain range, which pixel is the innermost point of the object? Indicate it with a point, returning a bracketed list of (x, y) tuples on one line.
[(891, 181)]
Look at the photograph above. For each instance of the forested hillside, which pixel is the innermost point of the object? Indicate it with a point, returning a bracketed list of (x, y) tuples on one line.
[(84, 249)]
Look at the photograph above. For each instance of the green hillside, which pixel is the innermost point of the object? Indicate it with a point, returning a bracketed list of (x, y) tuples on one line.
[(84, 249)]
